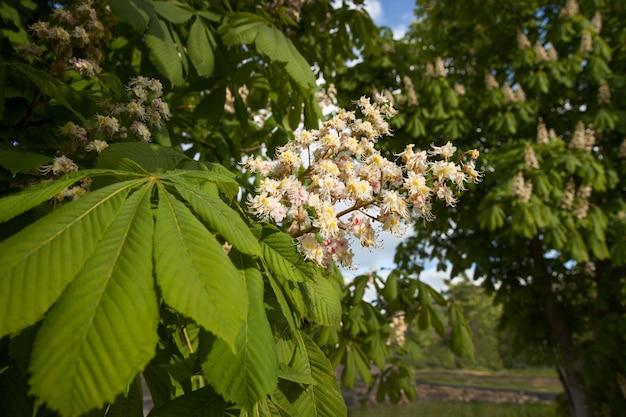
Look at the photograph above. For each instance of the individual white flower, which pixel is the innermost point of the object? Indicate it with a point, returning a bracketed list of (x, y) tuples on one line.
[(311, 249), (60, 165), (141, 130), (81, 35), (393, 203), (359, 190), (446, 150), (326, 220), (444, 170), (136, 110), (108, 124), (96, 145), (85, 67), (74, 131)]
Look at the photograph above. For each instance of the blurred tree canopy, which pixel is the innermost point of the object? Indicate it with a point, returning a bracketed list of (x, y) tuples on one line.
[(537, 87)]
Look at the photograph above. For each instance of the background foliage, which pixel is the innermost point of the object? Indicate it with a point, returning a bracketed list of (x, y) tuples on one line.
[(537, 87)]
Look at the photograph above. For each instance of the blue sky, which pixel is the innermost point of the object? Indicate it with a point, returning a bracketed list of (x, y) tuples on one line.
[(395, 14)]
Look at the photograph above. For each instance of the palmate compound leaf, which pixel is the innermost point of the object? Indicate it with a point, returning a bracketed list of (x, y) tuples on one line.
[(194, 274), (250, 374), (102, 331), (40, 260)]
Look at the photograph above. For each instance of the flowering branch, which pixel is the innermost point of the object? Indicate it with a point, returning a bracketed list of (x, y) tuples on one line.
[(322, 170)]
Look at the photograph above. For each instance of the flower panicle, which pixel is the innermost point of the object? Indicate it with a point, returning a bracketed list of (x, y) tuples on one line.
[(331, 186)]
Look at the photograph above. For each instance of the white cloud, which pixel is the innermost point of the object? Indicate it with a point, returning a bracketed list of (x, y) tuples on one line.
[(399, 30), (375, 10)]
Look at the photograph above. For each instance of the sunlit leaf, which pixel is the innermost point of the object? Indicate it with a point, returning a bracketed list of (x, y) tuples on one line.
[(102, 331)]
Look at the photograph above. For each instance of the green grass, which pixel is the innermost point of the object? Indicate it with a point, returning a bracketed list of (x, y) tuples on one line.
[(437, 409), (542, 380)]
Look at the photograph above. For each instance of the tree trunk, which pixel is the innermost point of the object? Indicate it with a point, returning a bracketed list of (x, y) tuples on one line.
[(570, 375)]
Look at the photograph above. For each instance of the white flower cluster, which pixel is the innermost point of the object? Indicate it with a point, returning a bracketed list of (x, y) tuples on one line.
[(332, 183), (580, 197), (511, 95), (522, 40), (144, 110), (583, 138), (521, 188), (570, 9), (543, 135), (530, 159), (411, 96), (586, 42), (490, 81), (74, 35), (545, 54), (604, 94)]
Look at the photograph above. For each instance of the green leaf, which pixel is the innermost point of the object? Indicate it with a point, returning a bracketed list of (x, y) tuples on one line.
[(78, 102), (323, 300), (279, 251), (102, 331), (461, 336), (172, 11), (163, 52), (194, 274), (390, 292), (273, 43), (490, 217), (363, 365), (133, 12), (220, 218), (18, 203), (240, 28), (17, 161), (200, 47), (151, 157), (128, 403), (40, 260), (288, 373), (322, 399), (348, 376), (211, 107), (251, 373), (204, 402), (246, 28)]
